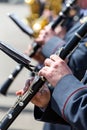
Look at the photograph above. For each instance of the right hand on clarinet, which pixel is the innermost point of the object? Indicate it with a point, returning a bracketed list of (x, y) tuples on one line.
[(54, 70)]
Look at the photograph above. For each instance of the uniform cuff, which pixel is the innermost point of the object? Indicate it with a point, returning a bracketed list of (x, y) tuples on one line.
[(52, 46), (64, 89)]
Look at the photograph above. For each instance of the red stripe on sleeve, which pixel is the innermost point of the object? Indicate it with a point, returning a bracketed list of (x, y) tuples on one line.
[(68, 100)]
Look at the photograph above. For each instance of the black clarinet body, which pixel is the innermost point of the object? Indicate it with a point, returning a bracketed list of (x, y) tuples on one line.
[(5, 86), (39, 81), (63, 14)]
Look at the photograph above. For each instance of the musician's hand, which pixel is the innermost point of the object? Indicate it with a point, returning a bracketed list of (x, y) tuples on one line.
[(60, 31), (42, 97), (55, 68), (37, 56), (23, 91), (28, 50), (44, 35), (47, 33)]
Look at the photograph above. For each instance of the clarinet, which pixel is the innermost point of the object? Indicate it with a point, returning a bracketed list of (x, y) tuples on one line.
[(60, 19), (38, 81), (63, 14)]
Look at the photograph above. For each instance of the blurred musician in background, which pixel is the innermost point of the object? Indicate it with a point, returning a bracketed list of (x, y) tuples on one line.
[(42, 12), (45, 11)]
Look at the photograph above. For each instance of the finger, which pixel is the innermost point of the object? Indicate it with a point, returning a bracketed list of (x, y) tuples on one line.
[(29, 81), (48, 62), (43, 88), (47, 28), (20, 92), (40, 39), (41, 31), (39, 96), (36, 98), (43, 71), (54, 57)]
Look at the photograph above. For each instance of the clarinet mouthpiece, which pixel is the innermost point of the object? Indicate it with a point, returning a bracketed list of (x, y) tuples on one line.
[(26, 29), (15, 54)]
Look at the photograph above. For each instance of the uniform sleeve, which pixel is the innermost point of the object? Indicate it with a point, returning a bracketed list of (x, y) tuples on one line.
[(48, 114), (78, 59), (68, 104), (51, 46), (70, 97)]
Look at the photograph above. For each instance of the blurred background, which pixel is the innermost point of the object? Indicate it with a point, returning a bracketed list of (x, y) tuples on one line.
[(12, 35)]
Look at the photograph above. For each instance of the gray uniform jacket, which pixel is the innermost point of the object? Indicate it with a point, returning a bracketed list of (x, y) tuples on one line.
[(71, 106), (70, 109)]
